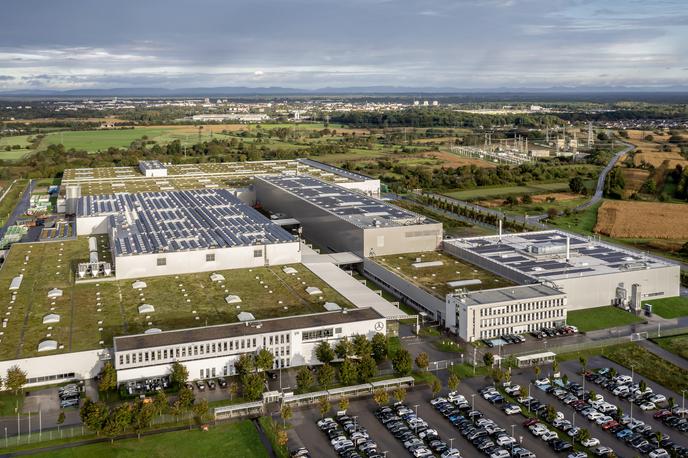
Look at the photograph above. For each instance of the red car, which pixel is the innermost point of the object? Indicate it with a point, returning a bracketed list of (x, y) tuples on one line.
[(610, 424), (662, 413), (530, 421)]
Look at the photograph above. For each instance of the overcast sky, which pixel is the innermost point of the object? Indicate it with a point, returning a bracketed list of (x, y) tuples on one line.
[(67, 44)]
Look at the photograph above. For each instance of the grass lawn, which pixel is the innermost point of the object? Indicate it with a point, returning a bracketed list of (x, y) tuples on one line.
[(582, 222), (232, 439), (600, 318), (447, 346), (649, 365), (504, 191), (675, 344), (393, 346), (434, 278), (670, 307), (110, 308), (9, 402), (8, 203)]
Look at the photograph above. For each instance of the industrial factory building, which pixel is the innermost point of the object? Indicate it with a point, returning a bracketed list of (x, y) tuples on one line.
[(492, 313), (166, 233), (338, 219), (591, 273)]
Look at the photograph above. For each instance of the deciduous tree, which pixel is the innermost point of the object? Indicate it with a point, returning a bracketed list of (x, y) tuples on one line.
[(367, 368), (453, 382), (324, 352), (16, 379), (179, 374), (379, 344), (264, 359), (402, 363), (325, 375), (252, 386), (344, 348), (488, 359), (348, 372), (380, 396), (324, 405), (399, 394), (422, 361), (304, 379), (362, 346)]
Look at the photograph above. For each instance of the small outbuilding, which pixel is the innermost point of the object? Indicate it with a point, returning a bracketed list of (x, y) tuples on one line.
[(245, 316), (51, 318), (217, 277), (54, 293), (47, 345), (312, 290), (145, 309), (232, 299)]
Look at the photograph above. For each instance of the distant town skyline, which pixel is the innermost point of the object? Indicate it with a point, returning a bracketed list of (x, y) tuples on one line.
[(310, 44)]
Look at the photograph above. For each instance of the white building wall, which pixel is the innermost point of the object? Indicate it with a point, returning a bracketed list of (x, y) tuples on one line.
[(92, 225), (146, 265), (300, 353), (599, 290), (84, 365)]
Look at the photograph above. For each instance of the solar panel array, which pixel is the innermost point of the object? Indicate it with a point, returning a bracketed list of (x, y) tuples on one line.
[(587, 256), (358, 209), (158, 222)]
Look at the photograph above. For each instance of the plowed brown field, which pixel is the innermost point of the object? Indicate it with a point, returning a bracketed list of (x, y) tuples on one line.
[(642, 220)]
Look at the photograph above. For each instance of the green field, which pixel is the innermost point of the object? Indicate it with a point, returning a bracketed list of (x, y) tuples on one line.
[(434, 279), (233, 439), (10, 200), (14, 154), (180, 301), (670, 307), (582, 222), (600, 318), (504, 191), (675, 344), (648, 365)]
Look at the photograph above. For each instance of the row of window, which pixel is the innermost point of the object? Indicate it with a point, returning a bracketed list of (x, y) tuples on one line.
[(50, 378), (521, 307), (210, 257), (509, 319)]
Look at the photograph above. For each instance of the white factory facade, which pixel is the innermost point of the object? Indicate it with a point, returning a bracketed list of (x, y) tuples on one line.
[(212, 351)]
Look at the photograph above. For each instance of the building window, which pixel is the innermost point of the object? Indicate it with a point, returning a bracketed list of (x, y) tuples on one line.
[(257, 253), (162, 261), (317, 334), (210, 257)]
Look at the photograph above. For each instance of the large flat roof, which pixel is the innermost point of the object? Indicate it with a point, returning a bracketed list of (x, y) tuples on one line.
[(358, 209), (173, 221), (347, 174), (225, 331), (514, 293), (542, 255)]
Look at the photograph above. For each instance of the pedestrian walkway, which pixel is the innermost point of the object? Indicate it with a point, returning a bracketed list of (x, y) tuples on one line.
[(662, 353)]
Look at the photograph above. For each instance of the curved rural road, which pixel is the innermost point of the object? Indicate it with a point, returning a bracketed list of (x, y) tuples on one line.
[(603, 175)]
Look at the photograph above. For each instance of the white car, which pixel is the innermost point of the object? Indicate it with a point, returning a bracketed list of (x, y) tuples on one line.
[(548, 436), (659, 453), (451, 453), (648, 406), (422, 452), (511, 409), (657, 398), (538, 429), (577, 455), (500, 453), (594, 415), (603, 419), (593, 441), (505, 440), (620, 389), (438, 401), (542, 382)]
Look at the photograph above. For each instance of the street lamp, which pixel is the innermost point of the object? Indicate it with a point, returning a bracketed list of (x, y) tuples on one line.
[(473, 401), (451, 442), (514, 439), (683, 403)]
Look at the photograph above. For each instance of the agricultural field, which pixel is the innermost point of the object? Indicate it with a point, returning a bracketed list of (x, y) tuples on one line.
[(434, 278), (23, 141), (91, 313), (504, 191), (540, 203), (634, 179), (628, 219), (600, 318)]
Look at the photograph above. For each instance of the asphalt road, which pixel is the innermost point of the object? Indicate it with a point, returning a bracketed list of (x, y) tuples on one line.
[(603, 175), (20, 208)]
